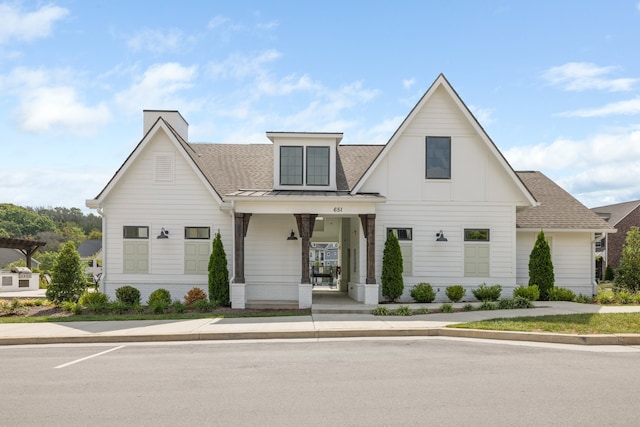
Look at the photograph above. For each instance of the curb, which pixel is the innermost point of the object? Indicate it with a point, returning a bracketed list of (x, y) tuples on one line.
[(615, 339)]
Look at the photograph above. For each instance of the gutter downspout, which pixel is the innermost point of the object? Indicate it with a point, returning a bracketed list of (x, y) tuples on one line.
[(102, 285)]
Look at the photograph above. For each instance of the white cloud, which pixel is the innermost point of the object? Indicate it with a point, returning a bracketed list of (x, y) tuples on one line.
[(47, 102), (21, 25), (157, 88), (628, 107), (241, 66), (599, 170), (408, 83), (483, 115), (581, 76), (156, 41)]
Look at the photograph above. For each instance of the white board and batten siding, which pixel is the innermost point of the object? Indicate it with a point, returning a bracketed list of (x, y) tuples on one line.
[(571, 255), (161, 190), (481, 193)]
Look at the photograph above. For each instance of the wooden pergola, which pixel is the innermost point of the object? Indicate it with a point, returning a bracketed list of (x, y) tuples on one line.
[(27, 247)]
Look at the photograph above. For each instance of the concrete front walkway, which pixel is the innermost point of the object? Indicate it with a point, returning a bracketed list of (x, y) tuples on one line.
[(329, 319)]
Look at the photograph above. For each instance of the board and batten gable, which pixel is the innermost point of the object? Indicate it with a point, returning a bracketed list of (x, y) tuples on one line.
[(482, 193), (160, 189)]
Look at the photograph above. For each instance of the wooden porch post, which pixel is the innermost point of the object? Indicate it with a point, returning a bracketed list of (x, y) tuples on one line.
[(305, 229), (369, 227), (241, 224)]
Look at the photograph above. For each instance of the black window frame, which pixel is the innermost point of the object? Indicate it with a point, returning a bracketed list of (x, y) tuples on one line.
[(138, 228), (328, 167), (301, 148), (468, 238), (186, 235), (434, 140), (402, 237)]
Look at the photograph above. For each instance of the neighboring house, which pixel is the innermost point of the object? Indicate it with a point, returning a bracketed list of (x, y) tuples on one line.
[(460, 212), (91, 256), (621, 216), (9, 256)]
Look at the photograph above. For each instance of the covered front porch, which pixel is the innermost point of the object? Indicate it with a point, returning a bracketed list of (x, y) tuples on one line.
[(278, 256)]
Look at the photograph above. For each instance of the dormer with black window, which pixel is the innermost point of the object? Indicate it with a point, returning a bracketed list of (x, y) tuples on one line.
[(304, 160)]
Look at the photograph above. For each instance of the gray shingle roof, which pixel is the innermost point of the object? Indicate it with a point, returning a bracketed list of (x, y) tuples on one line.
[(89, 247), (616, 213), (557, 210)]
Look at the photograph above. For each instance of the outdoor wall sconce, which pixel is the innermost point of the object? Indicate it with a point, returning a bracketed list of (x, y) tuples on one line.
[(292, 236), (164, 234), (440, 237)]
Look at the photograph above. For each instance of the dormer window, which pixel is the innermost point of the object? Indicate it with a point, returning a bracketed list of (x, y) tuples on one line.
[(304, 160), (317, 165), (291, 165)]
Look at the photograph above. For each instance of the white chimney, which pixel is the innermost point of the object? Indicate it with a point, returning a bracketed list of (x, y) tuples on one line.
[(173, 117)]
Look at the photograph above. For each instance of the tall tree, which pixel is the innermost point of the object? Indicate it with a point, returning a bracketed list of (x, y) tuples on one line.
[(541, 267), (67, 279), (218, 273), (392, 282), (627, 275)]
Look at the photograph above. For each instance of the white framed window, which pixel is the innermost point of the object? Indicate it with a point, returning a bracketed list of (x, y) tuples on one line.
[(476, 235), (317, 165), (291, 165), (438, 157)]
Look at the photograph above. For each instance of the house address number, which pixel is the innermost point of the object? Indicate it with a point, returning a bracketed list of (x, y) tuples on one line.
[(337, 209)]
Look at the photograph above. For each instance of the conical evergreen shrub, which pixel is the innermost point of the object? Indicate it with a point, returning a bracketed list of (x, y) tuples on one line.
[(392, 282), (541, 267), (218, 273)]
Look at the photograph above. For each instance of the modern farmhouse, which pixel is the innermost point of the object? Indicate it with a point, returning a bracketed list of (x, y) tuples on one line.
[(461, 213)]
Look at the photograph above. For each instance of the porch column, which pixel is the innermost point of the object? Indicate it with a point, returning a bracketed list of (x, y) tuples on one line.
[(237, 288), (368, 227), (241, 226), (305, 229)]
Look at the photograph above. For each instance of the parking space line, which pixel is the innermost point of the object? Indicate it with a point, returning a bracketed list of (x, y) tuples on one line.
[(88, 357)]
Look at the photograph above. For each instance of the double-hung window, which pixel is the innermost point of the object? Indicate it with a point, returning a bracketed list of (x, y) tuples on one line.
[(438, 161), (291, 165), (317, 165)]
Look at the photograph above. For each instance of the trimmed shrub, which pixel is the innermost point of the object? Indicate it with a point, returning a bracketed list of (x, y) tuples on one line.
[(455, 293), (446, 308), (67, 278), (194, 294), (128, 295), (487, 293), (541, 266), (94, 301), (423, 292), (608, 273), (380, 311), (403, 310), (521, 302), (561, 294), (391, 278), (161, 295), (218, 273), (531, 292), (505, 304)]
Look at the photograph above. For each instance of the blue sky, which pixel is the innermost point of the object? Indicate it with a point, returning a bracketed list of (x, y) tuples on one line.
[(556, 84)]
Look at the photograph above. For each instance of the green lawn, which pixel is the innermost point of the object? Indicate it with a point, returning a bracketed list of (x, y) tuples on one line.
[(609, 323)]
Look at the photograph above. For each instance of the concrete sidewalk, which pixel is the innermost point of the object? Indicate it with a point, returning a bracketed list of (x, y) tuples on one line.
[(314, 326)]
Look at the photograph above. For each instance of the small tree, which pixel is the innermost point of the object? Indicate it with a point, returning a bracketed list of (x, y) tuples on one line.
[(218, 273), (67, 279), (541, 267), (392, 283), (608, 273), (627, 275)]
